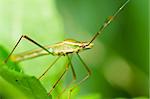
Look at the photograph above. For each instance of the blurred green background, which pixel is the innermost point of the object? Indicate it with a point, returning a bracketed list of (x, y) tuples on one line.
[(118, 60)]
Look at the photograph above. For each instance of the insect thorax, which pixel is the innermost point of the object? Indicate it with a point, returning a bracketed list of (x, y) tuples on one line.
[(70, 46)]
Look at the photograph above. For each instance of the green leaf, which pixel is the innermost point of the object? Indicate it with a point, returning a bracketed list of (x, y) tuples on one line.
[(25, 86), (14, 84), (3, 55)]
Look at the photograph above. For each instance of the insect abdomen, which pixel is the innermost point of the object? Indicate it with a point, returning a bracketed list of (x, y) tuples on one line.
[(29, 54)]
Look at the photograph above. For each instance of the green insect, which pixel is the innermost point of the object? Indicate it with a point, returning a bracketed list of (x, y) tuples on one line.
[(64, 48)]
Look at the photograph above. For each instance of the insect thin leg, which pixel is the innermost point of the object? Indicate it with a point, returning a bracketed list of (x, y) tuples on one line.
[(72, 68), (29, 39), (85, 78), (66, 69), (108, 21), (5, 61), (49, 67), (74, 76)]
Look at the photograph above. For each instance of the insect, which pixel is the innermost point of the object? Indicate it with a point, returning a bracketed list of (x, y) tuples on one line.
[(64, 48)]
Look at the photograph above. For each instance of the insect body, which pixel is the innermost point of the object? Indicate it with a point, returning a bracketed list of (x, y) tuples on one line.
[(69, 46), (63, 48), (66, 47)]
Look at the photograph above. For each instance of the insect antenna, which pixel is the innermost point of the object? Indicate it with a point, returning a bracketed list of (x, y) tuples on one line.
[(108, 21)]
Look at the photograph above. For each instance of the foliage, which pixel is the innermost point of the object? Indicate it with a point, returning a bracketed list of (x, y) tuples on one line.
[(15, 83)]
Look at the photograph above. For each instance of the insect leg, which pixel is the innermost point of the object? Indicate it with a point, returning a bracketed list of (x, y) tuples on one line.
[(49, 67), (109, 20), (73, 74), (66, 69), (85, 78), (29, 39), (72, 68)]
